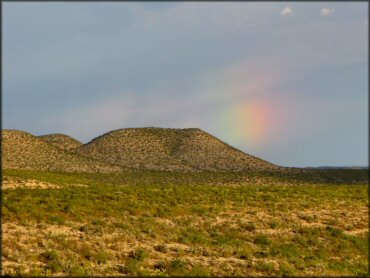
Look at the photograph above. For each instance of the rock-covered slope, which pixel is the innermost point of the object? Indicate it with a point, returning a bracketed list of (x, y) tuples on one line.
[(61, 141), (21, 150), (170, 149)]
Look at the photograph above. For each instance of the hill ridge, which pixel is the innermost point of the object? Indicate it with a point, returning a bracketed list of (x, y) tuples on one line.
[(143, 148), (22, 150), (137, 128), (189, 149), (61, 140)]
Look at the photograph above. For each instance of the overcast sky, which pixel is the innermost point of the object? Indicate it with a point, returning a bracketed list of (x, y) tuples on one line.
[(285, 81)]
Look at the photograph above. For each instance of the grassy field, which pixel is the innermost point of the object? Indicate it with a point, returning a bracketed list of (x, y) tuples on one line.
[(198, 224)]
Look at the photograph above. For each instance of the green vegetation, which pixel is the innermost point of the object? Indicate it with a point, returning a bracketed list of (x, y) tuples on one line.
[(137, 177), (184, 224)]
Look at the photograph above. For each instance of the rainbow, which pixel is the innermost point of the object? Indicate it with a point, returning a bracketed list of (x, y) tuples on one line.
[(250, 121), (254, 110)]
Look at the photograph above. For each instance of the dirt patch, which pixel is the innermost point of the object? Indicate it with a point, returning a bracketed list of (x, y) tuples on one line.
[(12, 183), (357, 232), (165, 221)]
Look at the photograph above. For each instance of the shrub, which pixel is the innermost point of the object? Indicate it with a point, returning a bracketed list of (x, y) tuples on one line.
[(57, 219), (101, 257), (54, 266), (176, 267), (98, 222), (198, 271), (51, 258), (262, 240), (227, 251), (132, 267), (334, 231), (49, 255), (288, 250), (77, 271), (192, 235), (92, 229), (138, 254), (244, 253), (161, 248), (161, 265), (273, 224), (250, 227), (285, 269), (265, 267)]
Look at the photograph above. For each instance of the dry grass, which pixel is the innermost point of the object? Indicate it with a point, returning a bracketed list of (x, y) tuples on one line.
[(250, 229)]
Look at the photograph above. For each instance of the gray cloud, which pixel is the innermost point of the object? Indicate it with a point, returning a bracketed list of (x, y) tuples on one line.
[(85, 68), (326, 11), (287, 11)]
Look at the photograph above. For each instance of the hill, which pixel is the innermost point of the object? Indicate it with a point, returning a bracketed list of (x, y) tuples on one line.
[(21, 150), (169, 149), (61, 141)]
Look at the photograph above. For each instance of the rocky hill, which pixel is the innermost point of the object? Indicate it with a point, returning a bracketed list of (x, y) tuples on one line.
[(161, 149), (170, 149), (21, 150), (61, 141)]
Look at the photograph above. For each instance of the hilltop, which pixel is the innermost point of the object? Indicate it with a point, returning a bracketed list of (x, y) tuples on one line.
[(61, 141), (21, 150), (169, 149)]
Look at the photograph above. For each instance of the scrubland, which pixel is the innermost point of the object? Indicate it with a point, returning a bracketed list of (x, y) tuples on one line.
[(184, 224)]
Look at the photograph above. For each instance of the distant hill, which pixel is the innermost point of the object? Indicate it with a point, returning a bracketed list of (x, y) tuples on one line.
[(169, 149), (126, 154), (21, 150), (61, 141), (161, 149), (339, 167)]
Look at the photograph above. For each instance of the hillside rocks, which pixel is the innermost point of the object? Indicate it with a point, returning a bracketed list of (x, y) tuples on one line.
[(170, 149), (21, 150), (160, 149)]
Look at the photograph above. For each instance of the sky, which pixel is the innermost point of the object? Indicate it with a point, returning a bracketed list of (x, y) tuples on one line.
[(284, 81)]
